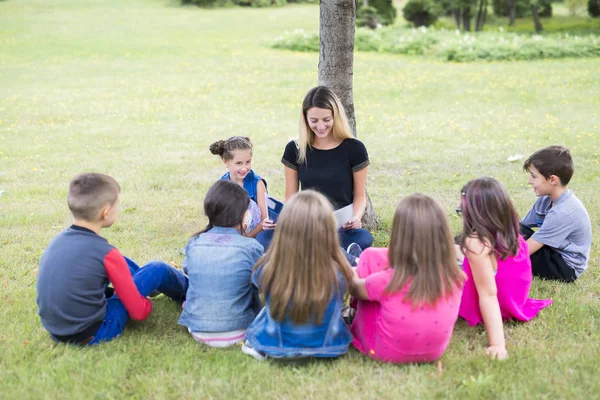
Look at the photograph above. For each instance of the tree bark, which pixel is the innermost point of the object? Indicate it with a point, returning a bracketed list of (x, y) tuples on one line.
[(336, 64), (467, 19), (512, 12), (536, 18), (457, 17), (479, 20)]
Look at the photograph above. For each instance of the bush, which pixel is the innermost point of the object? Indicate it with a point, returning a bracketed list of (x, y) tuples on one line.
[(386, 12), (451, 45), (421, 12), (367, 17), (575, 6), (224, 3), (593, 9), (500, 8)]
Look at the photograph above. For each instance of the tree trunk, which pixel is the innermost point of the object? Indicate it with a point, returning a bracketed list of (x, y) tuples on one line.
[(598, 4), (479, 20), (512, 12), (457, 17), (336, 63), (536, 18), (467, 19)]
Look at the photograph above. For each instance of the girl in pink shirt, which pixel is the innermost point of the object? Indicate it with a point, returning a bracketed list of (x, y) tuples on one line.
[(497, 263), (408, 295)]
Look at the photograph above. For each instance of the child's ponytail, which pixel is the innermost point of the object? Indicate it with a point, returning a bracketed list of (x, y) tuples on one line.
[(225, 148)]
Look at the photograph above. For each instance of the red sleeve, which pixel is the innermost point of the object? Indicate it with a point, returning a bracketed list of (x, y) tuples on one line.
[(138, 307)]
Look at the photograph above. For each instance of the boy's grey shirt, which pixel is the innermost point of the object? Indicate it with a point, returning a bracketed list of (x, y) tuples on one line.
[(564, 226)]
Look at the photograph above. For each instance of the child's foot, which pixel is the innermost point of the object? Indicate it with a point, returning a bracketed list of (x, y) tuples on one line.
[(154, 293), (251, 351), (348, 315), (352, 253)]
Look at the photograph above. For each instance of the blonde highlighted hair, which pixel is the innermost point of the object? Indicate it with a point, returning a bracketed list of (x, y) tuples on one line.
[(321, 97), (300, 270), (422, 252)]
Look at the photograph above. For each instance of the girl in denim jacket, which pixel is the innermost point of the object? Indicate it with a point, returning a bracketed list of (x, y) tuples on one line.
[(221, 301), (303, 277)]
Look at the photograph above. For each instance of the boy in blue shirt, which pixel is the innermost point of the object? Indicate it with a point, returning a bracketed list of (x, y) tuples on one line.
[(560, 248)]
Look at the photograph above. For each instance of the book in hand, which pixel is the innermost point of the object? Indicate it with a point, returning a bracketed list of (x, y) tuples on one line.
[(344, 215), (274, 207)]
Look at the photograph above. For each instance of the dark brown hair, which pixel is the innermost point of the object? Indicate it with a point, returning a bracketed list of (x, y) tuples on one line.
[(225, 148), (89, 193), (489, 215), (552, 160), (421, 251), (301, 268), (225, 205)]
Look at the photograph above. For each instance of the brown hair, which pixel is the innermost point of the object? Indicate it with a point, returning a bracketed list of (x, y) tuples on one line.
[(489, 215), (552, 160), (225, 205), (321, 97), (225, 148), (89, 193), (421, 251), (300, 270)]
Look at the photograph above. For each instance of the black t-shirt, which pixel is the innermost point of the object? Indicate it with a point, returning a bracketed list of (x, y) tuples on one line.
[(329, 171)]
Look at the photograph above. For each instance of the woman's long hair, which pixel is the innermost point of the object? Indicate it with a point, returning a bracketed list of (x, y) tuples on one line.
[(422, 252), (489, 215), (300, 270), (321, 97)]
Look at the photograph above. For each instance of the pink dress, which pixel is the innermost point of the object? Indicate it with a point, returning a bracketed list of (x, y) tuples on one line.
[(388, 329), (513, 281)]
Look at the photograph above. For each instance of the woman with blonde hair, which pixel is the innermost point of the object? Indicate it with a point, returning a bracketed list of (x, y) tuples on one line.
[(303, 276), (328, 159)]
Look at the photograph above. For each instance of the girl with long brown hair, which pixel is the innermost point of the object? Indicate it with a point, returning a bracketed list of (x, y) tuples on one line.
[(303, 277), (409, 294), (497, 263)]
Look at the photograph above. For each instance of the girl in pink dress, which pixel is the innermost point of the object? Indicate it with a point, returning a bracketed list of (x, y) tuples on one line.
[(408, 295), (496, 261)]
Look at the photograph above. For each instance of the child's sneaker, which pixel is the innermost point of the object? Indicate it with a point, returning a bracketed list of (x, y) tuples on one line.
[(251, 351), (348, 314), (354, 251)]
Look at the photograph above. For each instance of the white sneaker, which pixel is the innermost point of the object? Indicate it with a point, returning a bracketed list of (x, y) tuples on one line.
[(251, 351)]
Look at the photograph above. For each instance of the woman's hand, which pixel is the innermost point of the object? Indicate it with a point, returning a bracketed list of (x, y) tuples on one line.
[(497, 352), (354, 223), (267, 224)]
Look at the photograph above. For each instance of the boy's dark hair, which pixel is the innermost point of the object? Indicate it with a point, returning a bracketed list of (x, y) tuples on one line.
[(225, 205), (89, 193), (552, 160), (225, 148)]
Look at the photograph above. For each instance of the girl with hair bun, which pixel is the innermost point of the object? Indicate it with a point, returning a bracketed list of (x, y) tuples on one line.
[(236, 154)]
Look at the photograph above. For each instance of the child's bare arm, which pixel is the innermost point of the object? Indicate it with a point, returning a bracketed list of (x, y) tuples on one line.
[(358, 289), (479, 256)]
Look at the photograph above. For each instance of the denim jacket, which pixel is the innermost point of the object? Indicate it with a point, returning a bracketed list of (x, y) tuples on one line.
[(220, 296), (330, 338)]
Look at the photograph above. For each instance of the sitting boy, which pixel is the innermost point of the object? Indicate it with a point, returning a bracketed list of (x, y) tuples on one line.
[(78, 265), (560, 248)]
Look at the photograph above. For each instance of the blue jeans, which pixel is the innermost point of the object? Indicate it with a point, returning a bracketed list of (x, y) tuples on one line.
[(155, 275), (360, 236)]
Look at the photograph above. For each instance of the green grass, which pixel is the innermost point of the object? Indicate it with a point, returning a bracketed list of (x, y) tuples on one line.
[(139, 89)]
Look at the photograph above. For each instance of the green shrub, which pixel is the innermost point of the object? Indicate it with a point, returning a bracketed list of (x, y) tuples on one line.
[(386, 12), (421, 12), (500, 8), (593, 9), (367, 17), (245, 3), (451, 45)]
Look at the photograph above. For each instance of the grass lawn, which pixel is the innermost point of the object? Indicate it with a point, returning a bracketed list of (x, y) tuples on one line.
[(140, 88)]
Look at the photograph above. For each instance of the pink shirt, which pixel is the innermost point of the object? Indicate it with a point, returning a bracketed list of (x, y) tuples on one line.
[(388, 329), (513, 281)]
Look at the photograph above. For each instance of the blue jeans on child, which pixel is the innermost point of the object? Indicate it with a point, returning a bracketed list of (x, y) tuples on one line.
[(360, 236), (155, 275)]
